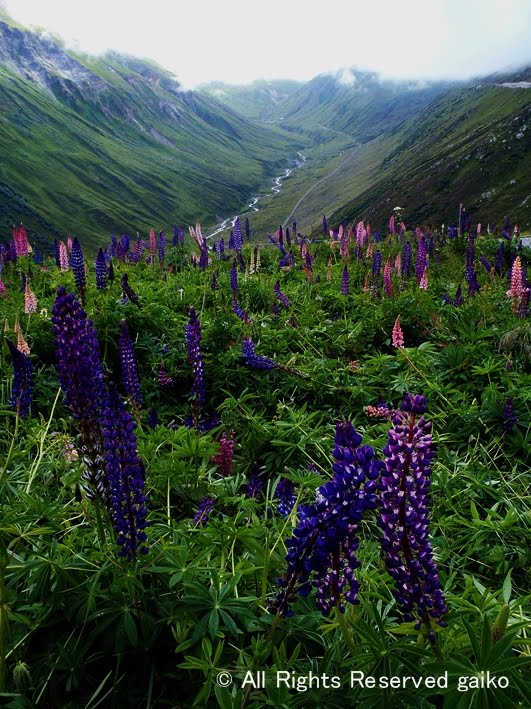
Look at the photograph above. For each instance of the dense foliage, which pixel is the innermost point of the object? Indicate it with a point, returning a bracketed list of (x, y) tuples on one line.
[(303, 457)]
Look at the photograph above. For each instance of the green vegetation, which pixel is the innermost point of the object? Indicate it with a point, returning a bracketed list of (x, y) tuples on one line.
[(81, 627)]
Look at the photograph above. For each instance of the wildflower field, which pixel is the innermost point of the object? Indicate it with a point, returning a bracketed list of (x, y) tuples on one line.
[(281, 471)]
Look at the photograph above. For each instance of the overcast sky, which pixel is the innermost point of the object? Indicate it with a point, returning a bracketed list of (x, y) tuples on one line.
[(238, 41)]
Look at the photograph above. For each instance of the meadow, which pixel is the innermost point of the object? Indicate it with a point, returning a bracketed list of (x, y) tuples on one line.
[(305, 456)]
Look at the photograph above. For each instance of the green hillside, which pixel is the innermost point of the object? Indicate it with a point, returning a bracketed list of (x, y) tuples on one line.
[(257, 100), (471, 143), (91, 146)]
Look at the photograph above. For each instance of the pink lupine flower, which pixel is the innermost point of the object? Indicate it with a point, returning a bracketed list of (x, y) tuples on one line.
[(63, 256), (22, 345), (398, 262), (30, 301), (424, 280), (366, 285), (21, 241), (69, 244), (518, 291), (152, 241), (369, 251), (3, 288), (398, 335)]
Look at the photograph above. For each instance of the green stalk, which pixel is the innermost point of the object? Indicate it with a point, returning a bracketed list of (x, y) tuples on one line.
[(11, 447), (37, 463), (345, 630), (3, 622), (99, 522)]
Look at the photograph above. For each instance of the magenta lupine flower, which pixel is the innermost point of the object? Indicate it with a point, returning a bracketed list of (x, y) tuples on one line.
[(23, 381), (404, 516), (101, 270), (282, 297), (345, 281), (128, 292), (322, 550), (78, 269), (225, 458), (126, 478), (398, 335), (130, 378), (203, 512), (251, 359), (20, 239)]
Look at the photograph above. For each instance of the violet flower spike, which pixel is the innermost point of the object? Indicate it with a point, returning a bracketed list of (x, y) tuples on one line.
[(404, 516), (23, 381)]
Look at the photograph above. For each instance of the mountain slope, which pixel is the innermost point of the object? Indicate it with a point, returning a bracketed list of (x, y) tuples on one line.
[(95, 145), (471, 145), (256, 101), (358, 103)]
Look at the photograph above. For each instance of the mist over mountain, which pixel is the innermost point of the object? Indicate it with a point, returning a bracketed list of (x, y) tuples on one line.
[(93, 145)]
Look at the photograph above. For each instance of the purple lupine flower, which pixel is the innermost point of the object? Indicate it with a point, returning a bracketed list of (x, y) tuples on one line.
[(23, 381), (161, 246), (37, 256), (376, 263), (322, 550), (203, 511), (431, 247), (458, 300), (130, 378), (163, 378), (281, 297), (345, 281), (128, 292), (407, 254), (325, 226), (285, 496), (237, 235), (101, 270), (234, 278), (126, 478), (404, 516), (251, 359), (225, 458), (500, 259), (56, 253), (152, 418), (257, 480), (509, 415), (195, 358), (377, 236), (126, 243), (486, 264), (80, 371), (247, 229), (240, 312), (221, 246), (78, 358), (522, 311), (472, 280), (78, 268), (421, 262), (214, 285), (275, 309)]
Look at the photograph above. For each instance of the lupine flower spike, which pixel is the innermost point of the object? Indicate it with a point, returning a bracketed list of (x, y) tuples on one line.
[(398, 335), (404, 516), (23, 381)]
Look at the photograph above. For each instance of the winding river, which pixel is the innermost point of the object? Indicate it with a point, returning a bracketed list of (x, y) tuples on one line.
[(252, 204)]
